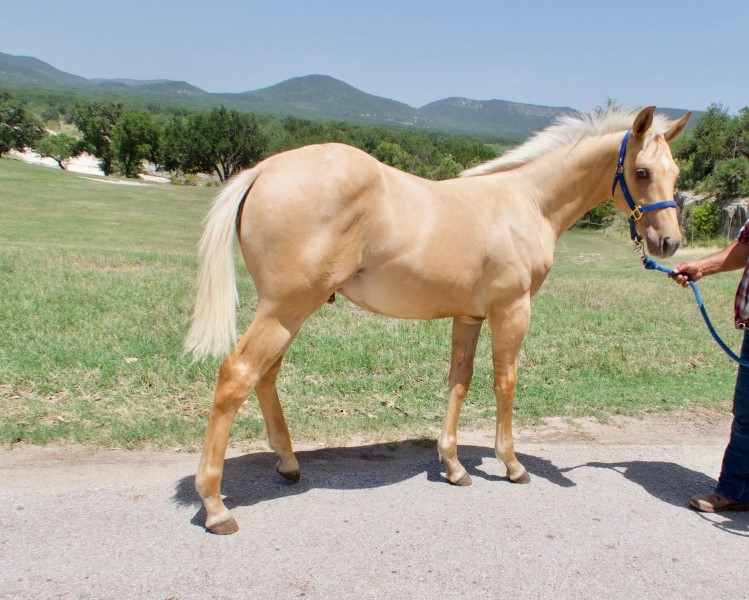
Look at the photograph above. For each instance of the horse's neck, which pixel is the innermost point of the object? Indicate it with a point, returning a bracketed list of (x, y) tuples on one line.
[(571, 181)]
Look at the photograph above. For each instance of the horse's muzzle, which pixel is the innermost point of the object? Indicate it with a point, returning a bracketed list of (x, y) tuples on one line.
[(664, 247)]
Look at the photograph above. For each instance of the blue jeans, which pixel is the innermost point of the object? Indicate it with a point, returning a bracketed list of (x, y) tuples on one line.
[(733, 482)]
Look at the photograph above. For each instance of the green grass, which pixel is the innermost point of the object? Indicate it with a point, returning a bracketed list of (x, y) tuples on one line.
[(96, 287)]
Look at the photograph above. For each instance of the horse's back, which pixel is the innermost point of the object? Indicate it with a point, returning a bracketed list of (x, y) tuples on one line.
[(313, 183), (315, 192)]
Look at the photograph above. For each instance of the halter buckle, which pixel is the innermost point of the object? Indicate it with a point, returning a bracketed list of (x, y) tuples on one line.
[(636, 213)]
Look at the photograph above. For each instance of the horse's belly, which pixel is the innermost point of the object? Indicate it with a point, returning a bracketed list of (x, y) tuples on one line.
[(409, 298)]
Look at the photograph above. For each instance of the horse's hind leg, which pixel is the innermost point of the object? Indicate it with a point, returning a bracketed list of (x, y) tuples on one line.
[(259, 350), (465, 337), (275, 424)]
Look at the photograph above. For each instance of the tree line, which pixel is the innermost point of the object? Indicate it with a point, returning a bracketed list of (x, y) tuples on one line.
[(221, 142)]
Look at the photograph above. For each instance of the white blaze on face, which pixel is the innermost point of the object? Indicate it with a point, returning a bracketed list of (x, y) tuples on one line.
[(666, 163)]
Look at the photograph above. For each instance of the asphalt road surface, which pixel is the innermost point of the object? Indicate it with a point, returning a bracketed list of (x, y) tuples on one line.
[(604, 517)]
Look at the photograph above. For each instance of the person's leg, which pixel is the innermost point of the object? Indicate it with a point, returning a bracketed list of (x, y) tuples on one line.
[(732, 491), (733, 482)]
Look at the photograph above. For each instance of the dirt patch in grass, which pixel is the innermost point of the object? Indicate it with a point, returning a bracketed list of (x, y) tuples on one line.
[(696, 426)]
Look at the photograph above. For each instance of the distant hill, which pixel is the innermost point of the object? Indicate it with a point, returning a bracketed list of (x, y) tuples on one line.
[(515, 120), (315, 97), (161, 86), (25, 70), (323, 97)]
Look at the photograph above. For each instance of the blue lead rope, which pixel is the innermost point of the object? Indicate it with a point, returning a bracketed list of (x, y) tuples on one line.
[(649, 263)]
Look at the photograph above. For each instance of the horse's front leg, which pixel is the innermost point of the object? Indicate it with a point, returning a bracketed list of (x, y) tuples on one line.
[(509, 325), (464, 339)]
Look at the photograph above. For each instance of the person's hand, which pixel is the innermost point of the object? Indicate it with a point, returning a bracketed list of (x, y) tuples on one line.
[(686, 271)]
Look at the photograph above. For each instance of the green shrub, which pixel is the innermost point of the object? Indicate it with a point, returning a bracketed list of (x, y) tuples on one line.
[(598, 217), (705, 221), (191, 179)]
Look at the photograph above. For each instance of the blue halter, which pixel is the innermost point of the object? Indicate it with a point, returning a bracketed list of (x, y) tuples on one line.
[(635, 215)]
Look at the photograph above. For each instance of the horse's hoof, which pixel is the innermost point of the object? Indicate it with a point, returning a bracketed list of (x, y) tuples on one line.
[(292, 476), (225, 528), (463, 481), (524, 478)]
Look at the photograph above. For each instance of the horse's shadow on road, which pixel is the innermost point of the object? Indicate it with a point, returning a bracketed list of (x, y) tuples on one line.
[(250, 479)]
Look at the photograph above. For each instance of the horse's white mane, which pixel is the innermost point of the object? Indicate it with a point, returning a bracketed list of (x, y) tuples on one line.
[(566, 130)]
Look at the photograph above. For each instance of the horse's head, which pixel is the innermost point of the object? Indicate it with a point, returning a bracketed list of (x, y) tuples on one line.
[(644, 184)]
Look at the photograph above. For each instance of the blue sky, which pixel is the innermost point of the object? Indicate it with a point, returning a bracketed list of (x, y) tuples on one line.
[(576, 53)]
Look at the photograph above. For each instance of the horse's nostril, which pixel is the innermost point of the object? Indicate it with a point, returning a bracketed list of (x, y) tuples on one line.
[(670, 246)]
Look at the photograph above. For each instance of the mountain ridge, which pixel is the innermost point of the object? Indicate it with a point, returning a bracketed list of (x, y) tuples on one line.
[(314, 97)]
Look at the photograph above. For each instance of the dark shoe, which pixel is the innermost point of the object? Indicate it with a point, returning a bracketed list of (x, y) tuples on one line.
[(715, 503)]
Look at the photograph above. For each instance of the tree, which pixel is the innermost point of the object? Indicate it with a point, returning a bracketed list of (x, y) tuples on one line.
[(392, 154), (708, 143), (220, 141), (96, 120), (59, 147), (714, 157), (175, 145), (730, 179), (741, 133), (276, 137), (135, 138), (611, 105), (448, 168), (17, 129)]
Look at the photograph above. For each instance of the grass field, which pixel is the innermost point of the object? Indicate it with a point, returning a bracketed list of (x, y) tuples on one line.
[(96, 286)]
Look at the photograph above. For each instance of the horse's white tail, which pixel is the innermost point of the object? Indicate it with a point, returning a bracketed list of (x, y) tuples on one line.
[(214, 321)]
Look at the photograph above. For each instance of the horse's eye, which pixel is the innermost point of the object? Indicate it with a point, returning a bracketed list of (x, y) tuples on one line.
[(642, 174)]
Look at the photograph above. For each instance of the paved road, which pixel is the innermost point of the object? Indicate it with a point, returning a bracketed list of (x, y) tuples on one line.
[(373, 521)]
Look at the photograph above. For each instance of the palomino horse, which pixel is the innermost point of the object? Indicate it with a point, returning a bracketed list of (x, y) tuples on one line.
[(331, 219)]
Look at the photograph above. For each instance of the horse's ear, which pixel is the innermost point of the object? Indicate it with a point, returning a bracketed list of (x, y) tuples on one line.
[(677, 127), (643, 122)]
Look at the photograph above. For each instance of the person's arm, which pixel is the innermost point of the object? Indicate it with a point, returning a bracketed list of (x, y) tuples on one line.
[(729, 259)]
